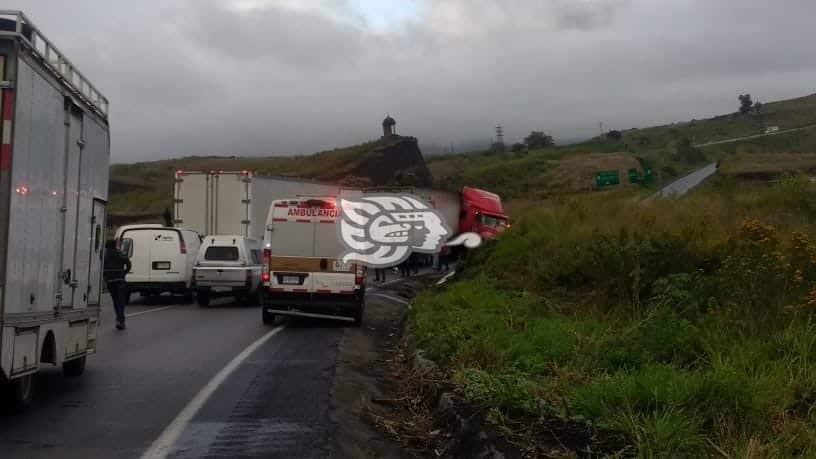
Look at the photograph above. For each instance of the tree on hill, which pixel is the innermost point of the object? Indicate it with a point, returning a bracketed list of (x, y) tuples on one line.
[(517, 147), (688, 153), (614, 135), (538, 139), (745, 103)]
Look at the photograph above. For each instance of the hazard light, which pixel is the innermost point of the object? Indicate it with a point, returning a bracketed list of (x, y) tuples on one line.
[(265, 277)]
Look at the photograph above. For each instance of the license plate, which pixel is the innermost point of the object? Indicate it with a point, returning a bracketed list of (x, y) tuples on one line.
[(161, 265), (340, 266), (291, 280)]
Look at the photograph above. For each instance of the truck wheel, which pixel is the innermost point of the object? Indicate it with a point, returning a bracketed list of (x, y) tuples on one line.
[(203, 297), (17, 394), (268, 317), (74, 368)]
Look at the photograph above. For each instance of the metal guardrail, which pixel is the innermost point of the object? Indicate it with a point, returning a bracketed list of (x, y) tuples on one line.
[(31, 37)]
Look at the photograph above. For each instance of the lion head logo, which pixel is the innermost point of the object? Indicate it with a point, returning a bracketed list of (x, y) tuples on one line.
[(382, 231)]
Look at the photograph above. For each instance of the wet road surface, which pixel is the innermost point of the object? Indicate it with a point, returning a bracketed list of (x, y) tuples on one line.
[(277, 402)]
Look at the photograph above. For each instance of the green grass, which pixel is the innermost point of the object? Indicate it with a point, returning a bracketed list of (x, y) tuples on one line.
[(690, 325)]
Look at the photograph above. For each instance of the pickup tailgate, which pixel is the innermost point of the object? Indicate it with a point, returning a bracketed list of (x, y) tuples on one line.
[(221, 276)]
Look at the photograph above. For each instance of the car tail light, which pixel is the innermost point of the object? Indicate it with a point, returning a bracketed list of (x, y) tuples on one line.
[(182, 245), (265, 276), (359, 277)]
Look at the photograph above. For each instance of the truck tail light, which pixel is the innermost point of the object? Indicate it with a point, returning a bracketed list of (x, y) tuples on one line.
[(359, 277), (182, 246)]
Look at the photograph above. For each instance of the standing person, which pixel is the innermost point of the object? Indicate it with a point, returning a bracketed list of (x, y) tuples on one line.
[(405, 268), (116, 266), (444, 255), (380, 273)]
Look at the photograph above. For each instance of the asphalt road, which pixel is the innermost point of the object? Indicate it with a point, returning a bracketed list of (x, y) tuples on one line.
[(277, 402), (685, 184)]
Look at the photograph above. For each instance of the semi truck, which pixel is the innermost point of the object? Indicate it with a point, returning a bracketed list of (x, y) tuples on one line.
[(54, 160), (238, 203)]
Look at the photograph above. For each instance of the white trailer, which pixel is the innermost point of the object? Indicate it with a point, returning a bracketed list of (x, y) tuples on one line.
[(236, 203), (54, 159)]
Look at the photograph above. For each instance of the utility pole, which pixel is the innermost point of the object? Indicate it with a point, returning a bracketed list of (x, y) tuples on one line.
[(600, 137)]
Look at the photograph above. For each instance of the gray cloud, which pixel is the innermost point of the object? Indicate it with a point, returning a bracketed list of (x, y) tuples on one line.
[(274, 77)]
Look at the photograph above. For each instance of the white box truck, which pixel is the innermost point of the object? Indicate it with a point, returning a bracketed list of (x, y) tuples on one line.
[(54, 159), (236, 203)]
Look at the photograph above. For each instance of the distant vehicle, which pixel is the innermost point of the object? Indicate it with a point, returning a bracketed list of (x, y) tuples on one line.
[(228, 265), (54, 155), (238, 202), (302, 274), (162, 259), (771, 129)]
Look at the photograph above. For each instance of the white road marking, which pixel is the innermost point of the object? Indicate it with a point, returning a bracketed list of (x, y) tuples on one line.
[(162, 446), (134, 314), (392, 298)]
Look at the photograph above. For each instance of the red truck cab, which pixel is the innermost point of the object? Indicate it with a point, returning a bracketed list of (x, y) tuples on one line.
[(482, 213)]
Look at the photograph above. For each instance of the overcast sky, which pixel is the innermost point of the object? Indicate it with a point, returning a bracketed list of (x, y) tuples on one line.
[(260, 77)]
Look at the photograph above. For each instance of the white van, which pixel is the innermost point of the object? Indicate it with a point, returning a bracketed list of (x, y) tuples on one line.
[(303, 273), (162, 259), (228, 265)]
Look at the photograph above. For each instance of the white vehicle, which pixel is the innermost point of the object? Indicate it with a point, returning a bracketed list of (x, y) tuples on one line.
[(303, 275), (54, 160), (235, 202), (162, 259), (228, 265)]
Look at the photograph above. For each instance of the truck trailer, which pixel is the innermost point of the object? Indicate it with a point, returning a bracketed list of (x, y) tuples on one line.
[(235, 203), (54, 160), (238, 203)]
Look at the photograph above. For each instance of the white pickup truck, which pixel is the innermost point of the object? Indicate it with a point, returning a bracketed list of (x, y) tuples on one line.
[(229, 266)]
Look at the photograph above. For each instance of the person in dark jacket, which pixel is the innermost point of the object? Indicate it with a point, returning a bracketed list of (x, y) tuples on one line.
[(116, 266)]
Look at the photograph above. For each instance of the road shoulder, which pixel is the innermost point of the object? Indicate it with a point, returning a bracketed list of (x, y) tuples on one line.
[(365, 357)]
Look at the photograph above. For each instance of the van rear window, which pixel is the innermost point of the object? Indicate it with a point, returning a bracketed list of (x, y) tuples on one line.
[(221, 253)]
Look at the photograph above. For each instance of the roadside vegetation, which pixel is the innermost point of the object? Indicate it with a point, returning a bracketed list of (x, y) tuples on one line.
[(690, 325)]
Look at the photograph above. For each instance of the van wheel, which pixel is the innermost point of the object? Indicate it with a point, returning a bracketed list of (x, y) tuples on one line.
[(203, 297), (17, 393), (269, 318), (74, 368), (188, 297)]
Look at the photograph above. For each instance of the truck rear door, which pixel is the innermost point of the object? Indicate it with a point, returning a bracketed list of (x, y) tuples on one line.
[(232, 200)]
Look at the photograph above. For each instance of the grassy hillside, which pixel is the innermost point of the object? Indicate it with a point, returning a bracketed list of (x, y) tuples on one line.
[(689, 325), (144, 190)]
